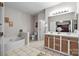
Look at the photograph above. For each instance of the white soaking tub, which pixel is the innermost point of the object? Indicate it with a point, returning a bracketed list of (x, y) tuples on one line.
[(14, 43)]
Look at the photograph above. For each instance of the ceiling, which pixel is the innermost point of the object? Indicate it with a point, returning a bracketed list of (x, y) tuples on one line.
[(31, 7)]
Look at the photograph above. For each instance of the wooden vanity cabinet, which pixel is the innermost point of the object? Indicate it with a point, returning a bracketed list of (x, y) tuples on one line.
[(51, 42), (74, 46), (57, 43), (64, 44), (46, 41), (67, 45)]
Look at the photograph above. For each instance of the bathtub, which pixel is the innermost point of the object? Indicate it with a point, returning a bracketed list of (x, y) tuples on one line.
[(14, 43)]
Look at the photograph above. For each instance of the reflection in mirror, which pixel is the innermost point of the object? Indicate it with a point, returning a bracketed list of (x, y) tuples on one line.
[(64, 26), (74, 25)]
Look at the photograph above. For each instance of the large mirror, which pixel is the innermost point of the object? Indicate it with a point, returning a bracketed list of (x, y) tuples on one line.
[(63, 23)]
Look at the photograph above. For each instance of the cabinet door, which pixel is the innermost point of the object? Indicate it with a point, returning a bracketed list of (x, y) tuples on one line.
[(51, 42), (57, 43), (46, 41), (74, 46), (64, 45)]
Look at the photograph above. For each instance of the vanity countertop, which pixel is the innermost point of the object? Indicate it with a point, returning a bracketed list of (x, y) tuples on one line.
[(63, 34)]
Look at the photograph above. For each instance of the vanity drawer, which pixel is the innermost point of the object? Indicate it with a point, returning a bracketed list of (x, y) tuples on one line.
[(57, 37)]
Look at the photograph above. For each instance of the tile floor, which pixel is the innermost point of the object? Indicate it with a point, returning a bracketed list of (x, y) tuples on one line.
[(35, 48)]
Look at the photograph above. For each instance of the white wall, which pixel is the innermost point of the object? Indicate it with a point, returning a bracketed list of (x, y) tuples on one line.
[(48, 11), (64, 5), (20, 20)]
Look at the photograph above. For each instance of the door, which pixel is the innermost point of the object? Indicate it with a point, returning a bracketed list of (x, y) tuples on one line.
[(46, 41), (1, 28), (57, 43), (64, 44), (51, 42), (74, 46)]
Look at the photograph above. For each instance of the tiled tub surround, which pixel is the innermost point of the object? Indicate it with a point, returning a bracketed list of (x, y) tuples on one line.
[(65, 43)]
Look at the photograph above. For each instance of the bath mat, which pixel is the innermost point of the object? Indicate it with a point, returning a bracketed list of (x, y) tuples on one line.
[(42, 54)]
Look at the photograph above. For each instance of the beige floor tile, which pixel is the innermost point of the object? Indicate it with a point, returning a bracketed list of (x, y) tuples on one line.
[(34, 48)]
